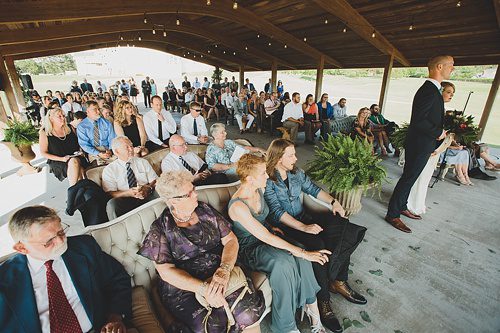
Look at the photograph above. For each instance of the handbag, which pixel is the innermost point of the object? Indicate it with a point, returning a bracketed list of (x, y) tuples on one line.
[(237, 280)]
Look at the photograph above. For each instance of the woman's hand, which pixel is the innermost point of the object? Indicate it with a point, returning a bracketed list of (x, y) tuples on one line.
[(337, 208), (312, 229), (321, 256), (220, 280), (65, 158), (214, 298)]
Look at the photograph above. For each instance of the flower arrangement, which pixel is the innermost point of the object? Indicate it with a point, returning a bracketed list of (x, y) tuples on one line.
[(463, 126)]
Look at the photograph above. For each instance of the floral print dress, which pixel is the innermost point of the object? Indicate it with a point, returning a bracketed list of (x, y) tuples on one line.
[(197, 249)]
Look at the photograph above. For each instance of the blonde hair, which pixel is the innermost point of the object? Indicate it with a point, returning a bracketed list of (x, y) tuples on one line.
[(274, 153), (170, 182), (48, 128), (119, 114), (361, 111), (434, 61), (246, 165)]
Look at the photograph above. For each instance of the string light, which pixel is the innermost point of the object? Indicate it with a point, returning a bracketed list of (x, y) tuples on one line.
[(246, 47), (201, 55), (154, 31), (215, 45), (235, 4), (285, 46), (164, 33), (145, 19), (121, 37), (305, 39), (178, 22), (345, 29), (326, 21), (258, 35), (140, 38), (411, 27), (208, 3), (208, 51), (269, 44), (234, 53), (128, 45), (373, 34), (224, 52), (459, 3)]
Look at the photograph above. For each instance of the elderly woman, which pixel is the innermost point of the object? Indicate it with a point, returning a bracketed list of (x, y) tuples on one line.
[(128, 122), (220, 151), (288, 266), (59, 144), (191, 242)]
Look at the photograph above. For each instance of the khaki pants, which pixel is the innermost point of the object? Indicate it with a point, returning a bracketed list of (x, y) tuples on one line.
[(294, 129)]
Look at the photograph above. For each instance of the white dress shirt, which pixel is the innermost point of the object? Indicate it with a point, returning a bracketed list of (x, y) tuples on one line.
[(436, 83), (66, 107), (187, 128), (269, 105), (172, 162), (114, 175), (292, 110), (230, 101), (38, 273), (150, 120), (188, 98)]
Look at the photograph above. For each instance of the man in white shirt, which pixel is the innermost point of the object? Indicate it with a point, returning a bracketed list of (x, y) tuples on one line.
[(293, 116), (102, 86), (230, 105), (70, 107), (188, 97), (180, 158), (193, 127), (159, 125), (196, 83), (129, 180), (272, 104), (340, 109), (60, 284), (206, 83)]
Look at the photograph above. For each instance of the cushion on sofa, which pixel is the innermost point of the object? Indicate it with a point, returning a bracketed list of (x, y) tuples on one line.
[(143, 312)]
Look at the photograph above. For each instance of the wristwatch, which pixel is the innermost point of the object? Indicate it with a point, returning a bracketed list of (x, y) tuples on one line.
[(333, 201)]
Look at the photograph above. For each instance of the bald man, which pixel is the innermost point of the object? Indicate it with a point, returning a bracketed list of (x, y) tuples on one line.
[(424, 135)]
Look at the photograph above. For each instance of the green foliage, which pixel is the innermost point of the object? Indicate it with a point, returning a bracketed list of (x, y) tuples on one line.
[(21, 133), (343, 164), (217, 74), (463, 126), (399, 136), (46, 65)]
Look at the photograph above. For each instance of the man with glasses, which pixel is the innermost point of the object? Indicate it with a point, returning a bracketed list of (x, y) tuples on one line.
[(180, 158), (60, 284), (193, 127), (129, 180)]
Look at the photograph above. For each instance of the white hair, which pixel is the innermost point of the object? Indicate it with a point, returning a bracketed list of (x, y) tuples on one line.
[(216, 127), (117, 142)]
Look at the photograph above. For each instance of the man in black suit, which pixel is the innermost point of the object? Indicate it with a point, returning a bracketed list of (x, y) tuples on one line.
[(146, 90), (424, 132), (86, 86)]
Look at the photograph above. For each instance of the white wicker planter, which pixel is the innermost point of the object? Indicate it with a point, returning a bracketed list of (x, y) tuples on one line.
[(350, 200)]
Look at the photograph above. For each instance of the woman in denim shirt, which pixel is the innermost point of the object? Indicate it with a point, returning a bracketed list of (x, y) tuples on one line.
[(315, 231)]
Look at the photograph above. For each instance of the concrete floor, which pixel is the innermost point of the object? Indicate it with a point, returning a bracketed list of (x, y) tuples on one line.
[(444, 277)]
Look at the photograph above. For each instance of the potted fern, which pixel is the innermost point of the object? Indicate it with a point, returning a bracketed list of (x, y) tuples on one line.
[(348, 168), (18, 137)]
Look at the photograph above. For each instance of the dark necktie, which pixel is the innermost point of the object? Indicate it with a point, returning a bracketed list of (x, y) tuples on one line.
[(160, 130), (62, 318), (195, 127), (96, 134), (187, 166), (132, 181)]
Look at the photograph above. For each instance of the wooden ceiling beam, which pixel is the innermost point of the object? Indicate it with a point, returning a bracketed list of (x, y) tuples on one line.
[(357, 23), (43, 11), (112, 39), (123, 24)]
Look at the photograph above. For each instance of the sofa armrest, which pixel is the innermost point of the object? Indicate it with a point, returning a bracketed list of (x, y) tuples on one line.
[(144, 318)]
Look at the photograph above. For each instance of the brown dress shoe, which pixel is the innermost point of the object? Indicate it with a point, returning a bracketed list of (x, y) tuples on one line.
[(343, 288), (398, 224), (409, 214)]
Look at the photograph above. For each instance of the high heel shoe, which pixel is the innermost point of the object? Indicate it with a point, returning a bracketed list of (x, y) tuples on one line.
[(315, 328), (461, 180)]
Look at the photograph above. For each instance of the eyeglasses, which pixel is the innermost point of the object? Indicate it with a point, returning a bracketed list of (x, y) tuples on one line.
[(60, 234), (197, 110), (185, 196), (185, 144)]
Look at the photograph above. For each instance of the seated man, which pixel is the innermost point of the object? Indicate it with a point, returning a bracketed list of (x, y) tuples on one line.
[(293, 117), (129, 180), (241, 113), (340, 109), (57, 283), (180, 158), (159, 124), (95, 134), (272, 104), (193, 127)]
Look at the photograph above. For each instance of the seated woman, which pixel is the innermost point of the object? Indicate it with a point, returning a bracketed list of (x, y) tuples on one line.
[(59, 144), (291, 276), (379, 128), (325, 110), (129, 123), (209, 104), (311, 118), (220, 150), (459, 156), (191, 242), (361, 126)]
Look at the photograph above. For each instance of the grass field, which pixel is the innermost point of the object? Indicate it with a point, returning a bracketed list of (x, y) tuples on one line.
[(358, 91)]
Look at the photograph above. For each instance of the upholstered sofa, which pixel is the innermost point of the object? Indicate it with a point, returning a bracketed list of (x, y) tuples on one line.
[(343, 125), (155, 158)]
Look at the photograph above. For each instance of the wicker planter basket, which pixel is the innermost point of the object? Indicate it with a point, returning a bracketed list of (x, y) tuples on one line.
[(23, 155)]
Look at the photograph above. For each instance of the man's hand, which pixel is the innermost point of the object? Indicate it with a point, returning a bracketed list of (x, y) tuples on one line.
[(312, 229), (114, 325), (443, 135), (203, 139), (104, 155), (337, 208)]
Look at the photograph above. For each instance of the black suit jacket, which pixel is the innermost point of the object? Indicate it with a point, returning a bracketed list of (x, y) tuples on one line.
[(86, 87), (427, 119)]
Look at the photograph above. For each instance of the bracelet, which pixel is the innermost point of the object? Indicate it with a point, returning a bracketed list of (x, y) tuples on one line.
[(225, 267)]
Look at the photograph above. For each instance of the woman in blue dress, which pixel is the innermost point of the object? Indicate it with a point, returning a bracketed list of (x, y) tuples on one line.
[(287, 266)]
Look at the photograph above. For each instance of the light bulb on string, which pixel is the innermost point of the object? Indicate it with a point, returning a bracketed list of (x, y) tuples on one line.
[(246, 47), (154, 31), (234, 53), (145, 19), (269, 44), (121, 37), (178, 22), (411, 27), (209, 2), (305, 39), (345, 29), (258, 35), (140, 38), (326, 21), (208, 51), (235, 5), (459, 3), (215, 45), (285, 46), (164, 33), (224, 52), (373, 34)]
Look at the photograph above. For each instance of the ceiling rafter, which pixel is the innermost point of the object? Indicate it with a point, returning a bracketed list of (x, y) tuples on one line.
[(33, 11), (357, 23)]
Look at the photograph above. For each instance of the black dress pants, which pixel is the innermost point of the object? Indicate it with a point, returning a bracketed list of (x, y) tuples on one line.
[(415, 162), (339, 236), (147, 100)]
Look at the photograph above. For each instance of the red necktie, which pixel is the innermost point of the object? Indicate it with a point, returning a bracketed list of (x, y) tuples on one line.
[(61, 315)]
